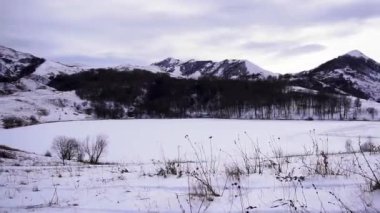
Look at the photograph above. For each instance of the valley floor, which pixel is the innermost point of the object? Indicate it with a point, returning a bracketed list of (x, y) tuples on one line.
[(196, 165)]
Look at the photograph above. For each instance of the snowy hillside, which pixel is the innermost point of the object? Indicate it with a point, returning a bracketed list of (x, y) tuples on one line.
[(24, 93), (43, 105), (14, 64), (227, 69), (51, 68)]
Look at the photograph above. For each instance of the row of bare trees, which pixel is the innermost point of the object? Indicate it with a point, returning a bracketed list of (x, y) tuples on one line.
[(68, 148)]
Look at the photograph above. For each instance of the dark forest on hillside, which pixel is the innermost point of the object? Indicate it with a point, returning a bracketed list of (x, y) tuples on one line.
[(138, 93)]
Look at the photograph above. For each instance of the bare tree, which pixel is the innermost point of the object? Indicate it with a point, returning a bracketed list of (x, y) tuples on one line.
[(66, 148), (95, 150)]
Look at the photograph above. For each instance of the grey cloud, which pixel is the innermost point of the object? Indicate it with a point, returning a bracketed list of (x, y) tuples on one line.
[(357, 10), (295, 13), (300, 50), (267, 46), (59, 28)]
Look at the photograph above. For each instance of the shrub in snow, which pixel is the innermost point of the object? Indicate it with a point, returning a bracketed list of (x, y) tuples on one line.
[(42, 112), (170, 168), (368, 146), (35, 189), (7, 154), (13, 121), (33, 120), (47, 154)]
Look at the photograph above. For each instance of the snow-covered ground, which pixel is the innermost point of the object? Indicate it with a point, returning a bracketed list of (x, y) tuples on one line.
[(140, 148)]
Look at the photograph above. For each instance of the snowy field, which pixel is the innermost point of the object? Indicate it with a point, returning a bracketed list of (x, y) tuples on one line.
[(143, 140), (196, 165)]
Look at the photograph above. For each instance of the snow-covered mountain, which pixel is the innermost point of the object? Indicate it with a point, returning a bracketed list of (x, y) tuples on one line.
[(51, 68), (25, 72), (226, 69), (352, 73), (14, 64)]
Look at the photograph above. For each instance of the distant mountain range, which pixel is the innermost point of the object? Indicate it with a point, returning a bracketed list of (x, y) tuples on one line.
[(34, 89), (352, 74)]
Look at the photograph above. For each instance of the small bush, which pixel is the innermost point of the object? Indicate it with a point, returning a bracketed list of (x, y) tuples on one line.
[(6, 154), (47, 154), (124, 171), (42, 112), (368, 146), (170, 168), (35, 189), (13, 121), (33, 120)]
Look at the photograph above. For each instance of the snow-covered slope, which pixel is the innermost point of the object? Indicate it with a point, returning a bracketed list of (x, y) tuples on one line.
[(24, 92), (51, 68), (352, 73), (15, 65), (43, 104), (131, 67), (227, 69)]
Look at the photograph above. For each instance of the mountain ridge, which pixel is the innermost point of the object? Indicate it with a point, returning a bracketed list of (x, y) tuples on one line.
[(226, 69)]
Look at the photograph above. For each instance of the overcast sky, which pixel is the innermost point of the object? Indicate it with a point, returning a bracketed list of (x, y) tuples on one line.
[(278, 35)]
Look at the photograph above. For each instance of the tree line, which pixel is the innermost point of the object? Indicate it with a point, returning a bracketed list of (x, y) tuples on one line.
[(115, 94)]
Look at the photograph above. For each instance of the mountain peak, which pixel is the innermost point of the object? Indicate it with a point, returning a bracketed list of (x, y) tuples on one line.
[(169, 60), (356, 54), (254, 69)]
